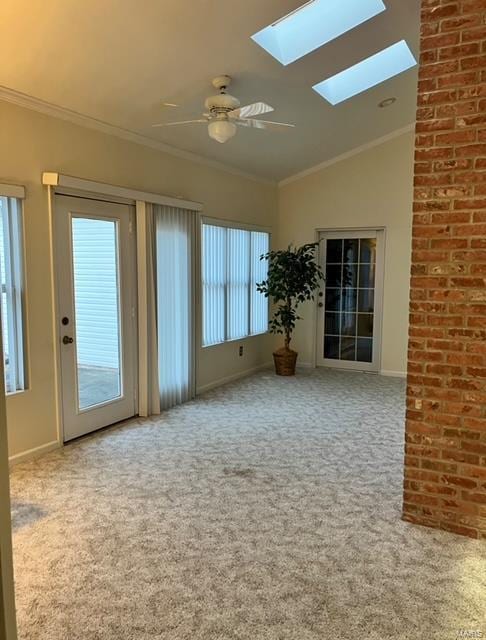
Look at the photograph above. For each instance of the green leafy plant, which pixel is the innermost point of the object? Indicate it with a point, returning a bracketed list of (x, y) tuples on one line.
[(293, 277)]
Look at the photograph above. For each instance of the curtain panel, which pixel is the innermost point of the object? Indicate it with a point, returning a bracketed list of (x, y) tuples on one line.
[(175, 269)]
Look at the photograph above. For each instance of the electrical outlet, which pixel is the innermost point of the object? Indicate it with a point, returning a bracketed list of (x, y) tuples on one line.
[(240, 350)]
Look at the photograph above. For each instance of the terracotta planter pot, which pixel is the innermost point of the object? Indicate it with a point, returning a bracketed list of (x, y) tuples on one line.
[(285, 361)]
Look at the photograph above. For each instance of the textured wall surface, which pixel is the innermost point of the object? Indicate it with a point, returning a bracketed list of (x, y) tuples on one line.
[(445, 467)]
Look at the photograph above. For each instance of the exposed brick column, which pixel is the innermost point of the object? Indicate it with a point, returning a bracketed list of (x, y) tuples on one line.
[(445, 462)]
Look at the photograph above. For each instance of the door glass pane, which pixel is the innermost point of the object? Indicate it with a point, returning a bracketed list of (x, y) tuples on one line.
[(97, 308), (366, 300), (334, 251), (333, 299), (350, 288), (331, 347), (334, 275), (367, 250), (365, 350), (351, 251)]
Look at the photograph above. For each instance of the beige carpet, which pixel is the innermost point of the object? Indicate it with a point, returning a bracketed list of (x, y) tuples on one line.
[(266, 510)]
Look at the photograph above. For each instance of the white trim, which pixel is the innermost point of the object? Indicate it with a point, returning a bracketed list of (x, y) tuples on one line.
[(53, 179), (348, 154), (232, 378), (54, 317), (12, 190), (30, 454), (35, 104), (393, 374), (142, 279), (319, 311)]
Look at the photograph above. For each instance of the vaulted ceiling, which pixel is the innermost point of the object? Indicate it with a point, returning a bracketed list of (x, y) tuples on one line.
[(119, 61)]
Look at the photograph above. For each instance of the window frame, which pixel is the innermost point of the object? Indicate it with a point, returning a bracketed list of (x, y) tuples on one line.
[(17, 192), (241, 226)]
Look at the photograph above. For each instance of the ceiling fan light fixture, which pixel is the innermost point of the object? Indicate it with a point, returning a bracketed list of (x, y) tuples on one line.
[(221, 130)]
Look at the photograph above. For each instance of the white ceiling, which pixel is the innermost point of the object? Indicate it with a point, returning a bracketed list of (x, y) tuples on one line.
[(117, 61)]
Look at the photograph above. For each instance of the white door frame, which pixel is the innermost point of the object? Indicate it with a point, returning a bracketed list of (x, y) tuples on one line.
[(129, 291), (318, 315)]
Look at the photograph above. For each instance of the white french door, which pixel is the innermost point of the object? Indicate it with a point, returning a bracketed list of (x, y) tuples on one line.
[(95, 264), (350, 304)]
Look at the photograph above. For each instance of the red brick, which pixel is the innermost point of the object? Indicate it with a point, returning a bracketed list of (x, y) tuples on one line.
[(462, 23), (471, 150), (426, 126), (458, 51), (446, 390)]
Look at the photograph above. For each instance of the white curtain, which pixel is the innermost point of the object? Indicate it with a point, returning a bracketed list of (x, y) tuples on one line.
[(149, 394), (176, 242)]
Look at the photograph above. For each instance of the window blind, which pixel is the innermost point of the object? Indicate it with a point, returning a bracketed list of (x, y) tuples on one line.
[(11, 301), (231, 267), (259, 269), (214, 284), (238, 283)]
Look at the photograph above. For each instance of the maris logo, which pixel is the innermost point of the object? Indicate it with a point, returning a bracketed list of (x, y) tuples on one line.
[(469, 633)]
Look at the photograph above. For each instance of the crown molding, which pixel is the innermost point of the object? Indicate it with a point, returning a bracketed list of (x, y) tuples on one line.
[(348, 154), (36, 104)]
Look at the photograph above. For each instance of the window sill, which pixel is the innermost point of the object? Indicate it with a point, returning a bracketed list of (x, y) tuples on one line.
[(233, 340), (10, 394)]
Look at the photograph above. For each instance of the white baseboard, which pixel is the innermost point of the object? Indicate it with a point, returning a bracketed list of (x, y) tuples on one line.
[(232, 378), (393, 374), (30, 454)]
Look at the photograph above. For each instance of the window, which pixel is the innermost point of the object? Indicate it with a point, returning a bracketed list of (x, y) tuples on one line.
[(314, 24), (12, 300), (232, 306), (366, 74)]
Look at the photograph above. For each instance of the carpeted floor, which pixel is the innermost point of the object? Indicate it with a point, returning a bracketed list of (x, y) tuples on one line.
[(268, 509)]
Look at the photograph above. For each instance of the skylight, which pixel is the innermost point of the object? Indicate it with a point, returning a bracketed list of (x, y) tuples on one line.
[(314, 24), (366, 74)]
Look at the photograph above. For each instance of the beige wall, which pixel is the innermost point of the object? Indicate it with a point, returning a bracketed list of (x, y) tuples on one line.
[(31, 143), (370, 189)]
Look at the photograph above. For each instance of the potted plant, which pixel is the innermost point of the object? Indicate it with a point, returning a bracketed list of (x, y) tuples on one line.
[(293, 277)]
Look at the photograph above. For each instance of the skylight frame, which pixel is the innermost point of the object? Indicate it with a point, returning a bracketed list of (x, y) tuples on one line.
[(366, 74), (321, 21)]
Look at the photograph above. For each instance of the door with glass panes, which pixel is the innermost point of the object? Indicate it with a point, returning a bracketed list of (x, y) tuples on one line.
[(350, 303), (95, 264)]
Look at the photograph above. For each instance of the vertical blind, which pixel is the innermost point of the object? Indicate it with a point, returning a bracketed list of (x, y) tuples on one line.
[(175, 250), (12, 282), (259, 269), (214, 284), (238, 281), (231, 265)]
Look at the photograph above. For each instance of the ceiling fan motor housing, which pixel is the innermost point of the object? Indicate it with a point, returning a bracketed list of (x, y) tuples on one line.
[(222, 103)]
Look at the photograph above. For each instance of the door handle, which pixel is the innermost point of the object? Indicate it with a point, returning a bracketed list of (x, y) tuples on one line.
[(67, 340)]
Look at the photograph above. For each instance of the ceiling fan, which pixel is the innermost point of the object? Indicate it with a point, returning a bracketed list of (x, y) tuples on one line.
[(224, 113)]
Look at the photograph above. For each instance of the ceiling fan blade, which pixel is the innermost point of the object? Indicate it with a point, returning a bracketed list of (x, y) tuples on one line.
[(250, 110), (264, 124), (171, 124)]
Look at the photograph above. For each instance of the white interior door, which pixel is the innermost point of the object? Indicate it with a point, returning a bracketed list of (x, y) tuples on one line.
[(350, 305), (95, 262)]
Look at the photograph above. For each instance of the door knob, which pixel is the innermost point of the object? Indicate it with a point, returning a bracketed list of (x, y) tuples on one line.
[(321, 304), (67, 340)]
